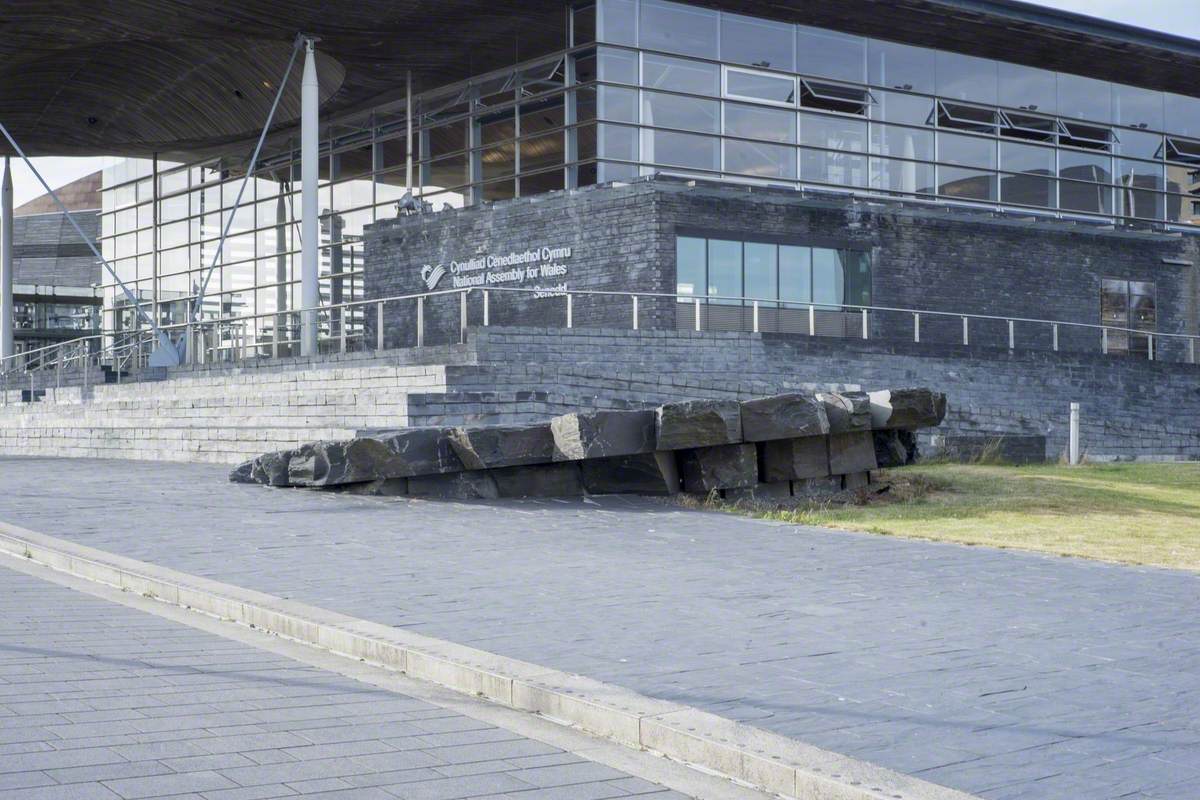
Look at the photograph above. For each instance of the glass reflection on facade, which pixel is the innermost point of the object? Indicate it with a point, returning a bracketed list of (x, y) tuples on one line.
[(645, 87)]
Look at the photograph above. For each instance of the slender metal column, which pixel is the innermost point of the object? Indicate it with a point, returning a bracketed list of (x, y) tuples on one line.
[(6, 262), (310, 295), (281, 267), (408, 133)]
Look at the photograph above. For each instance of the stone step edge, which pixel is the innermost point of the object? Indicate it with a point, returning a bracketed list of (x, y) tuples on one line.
[(763, 760)]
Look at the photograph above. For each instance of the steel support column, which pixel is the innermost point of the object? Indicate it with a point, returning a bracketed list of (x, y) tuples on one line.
[(6, 262), (310, 229)]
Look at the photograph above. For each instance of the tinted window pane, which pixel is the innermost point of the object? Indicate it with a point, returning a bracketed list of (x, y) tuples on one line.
[(760, 160), (1139, 174), (619, 66), (906, 108), (795, 274), (616, 141), (1137, 107), (618, 104), (1136, 144), (1026, 158), (618, 21), (893, 140), (829, 285), (678, 29), (1114, 303), (689, 265), (761, 271), (755, 122), (839, 133), (772, 88), (1027, 88), (685, 150), (828, 54), (745, 40), (900, 66), (857, 268), (680, 75), (1086, 197), (841, 169), (674, 111), (909, 177), (1085, 166), (1183, 115), (1084, 98), (724, 268), (962, 77), (966, 184), (969, 151), (1027, 190)]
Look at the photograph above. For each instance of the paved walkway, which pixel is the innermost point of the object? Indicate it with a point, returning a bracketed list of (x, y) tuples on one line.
[(99, 701), (1004, 674)]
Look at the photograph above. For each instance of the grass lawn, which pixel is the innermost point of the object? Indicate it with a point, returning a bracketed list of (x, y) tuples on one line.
[(1129, 513)]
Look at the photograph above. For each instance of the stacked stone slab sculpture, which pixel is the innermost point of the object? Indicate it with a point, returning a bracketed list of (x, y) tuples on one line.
[(769, 448)]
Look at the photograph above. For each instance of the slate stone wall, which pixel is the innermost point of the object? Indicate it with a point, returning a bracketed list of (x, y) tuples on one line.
[(1131, 408), (622, 238), (48, 252)]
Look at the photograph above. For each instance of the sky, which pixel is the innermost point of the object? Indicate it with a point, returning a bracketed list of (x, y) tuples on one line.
[(1179, 17)]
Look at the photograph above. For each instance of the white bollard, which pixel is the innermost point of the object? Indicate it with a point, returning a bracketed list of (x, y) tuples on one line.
[(1073, 455)]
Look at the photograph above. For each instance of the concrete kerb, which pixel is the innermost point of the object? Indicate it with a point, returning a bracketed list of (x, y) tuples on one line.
[(714, 744)]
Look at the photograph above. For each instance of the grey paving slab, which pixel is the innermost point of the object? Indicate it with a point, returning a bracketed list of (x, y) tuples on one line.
[(52, 635), (1000, 673)]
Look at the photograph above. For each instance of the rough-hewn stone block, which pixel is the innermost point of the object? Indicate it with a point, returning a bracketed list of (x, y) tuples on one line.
[(602, 434), (698, 423), (338, 463), (271, 469), (503, 445), (724, 466), (794, 459), (907, 409), (243, 473), (643, 473), (387, 487), (895, 448), (563, 479), (761, 492), (817, 488), (783, 416), (422, 451), (847, 411), (851, 452)]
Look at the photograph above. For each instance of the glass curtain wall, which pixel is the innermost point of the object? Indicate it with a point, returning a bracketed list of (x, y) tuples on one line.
[(715, 94), (642, 87)]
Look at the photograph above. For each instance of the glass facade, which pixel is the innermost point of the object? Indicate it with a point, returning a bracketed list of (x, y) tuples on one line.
[(643, 87), (786, 279)]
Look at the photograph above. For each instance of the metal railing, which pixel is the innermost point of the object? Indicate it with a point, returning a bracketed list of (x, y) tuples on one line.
[(343, 327)]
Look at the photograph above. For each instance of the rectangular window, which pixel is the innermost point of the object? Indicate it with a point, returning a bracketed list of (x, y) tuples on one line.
[(684, 113), (1129, 305), (757, 42), (755, 122), (760, 160), (680, 75), (690, 266), (764, 87), (676, 28)]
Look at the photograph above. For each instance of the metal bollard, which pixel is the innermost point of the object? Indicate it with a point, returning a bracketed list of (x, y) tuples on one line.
[(1073, 454), (462, 318), (1012, 335), (487, 310), (697, 313), (756, 316), (1054, 334), (570, 310), (917, 328), (866, 326), (812, 320), (379, 326), (421, 321), (635, 312), (966, 332)]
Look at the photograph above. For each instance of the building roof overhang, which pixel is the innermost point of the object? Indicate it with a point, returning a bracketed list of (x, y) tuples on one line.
[(186, 78)]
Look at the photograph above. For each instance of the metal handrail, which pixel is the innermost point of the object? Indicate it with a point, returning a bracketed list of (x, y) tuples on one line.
[(122, 353)]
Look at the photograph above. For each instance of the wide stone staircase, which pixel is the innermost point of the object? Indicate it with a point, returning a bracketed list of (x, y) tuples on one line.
[(226, 413)]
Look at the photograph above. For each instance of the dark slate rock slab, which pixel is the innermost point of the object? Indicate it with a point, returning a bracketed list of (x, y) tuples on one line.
[(473, 485), (698, 423), (644, 473), (337, 463), (564, 479), (422, 451), (503, 445), (784, 416), (794, 459), (243, 473), (271, 469), (817, 488), (725, 466), (907, 409), (856, 481), (602, 434), (851, 452), (847, 411)]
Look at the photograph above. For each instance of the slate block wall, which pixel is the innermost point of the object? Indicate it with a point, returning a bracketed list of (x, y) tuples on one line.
[(923, 257)]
